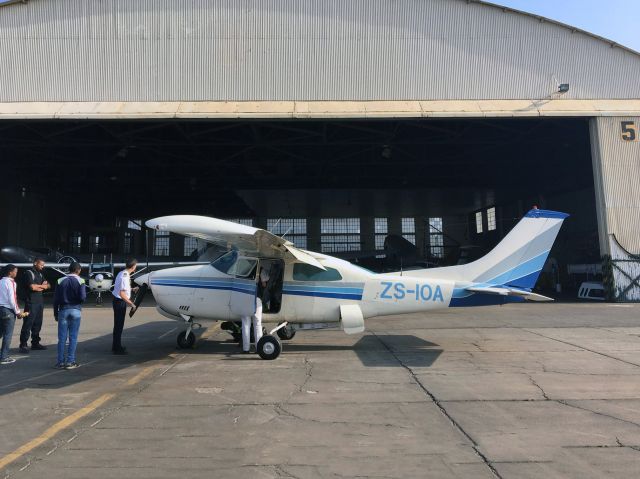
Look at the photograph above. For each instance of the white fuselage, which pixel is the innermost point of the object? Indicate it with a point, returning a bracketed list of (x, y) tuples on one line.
[(204, 292)]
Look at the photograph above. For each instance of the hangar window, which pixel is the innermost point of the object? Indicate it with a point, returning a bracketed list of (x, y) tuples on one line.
[(126, 246), (409, 229), (242, 221), (339, 234), (135, 225), (161, 243), (97, 243), (491, 219), (190, 245), (306, 272), (436, 237), (293, 229), (479, 222), (381, 228), (75, 244)]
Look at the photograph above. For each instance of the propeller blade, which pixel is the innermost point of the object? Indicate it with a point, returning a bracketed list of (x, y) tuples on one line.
[(138, 299)]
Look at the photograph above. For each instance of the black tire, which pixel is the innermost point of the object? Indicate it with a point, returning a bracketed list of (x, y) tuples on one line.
[(287, 333), (186, 342), (269, 347)]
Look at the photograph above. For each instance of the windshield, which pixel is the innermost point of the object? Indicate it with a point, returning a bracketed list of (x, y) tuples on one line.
[(225, 262), (243, 268), (232, 265)]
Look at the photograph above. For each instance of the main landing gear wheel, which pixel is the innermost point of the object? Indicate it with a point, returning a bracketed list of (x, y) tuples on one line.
[(286, 333), (186, 341), (269, 347)]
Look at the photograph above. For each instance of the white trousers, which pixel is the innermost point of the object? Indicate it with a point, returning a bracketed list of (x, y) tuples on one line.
[(257, 326)]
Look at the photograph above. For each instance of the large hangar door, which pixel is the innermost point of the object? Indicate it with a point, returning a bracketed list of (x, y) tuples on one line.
[(616, 163)]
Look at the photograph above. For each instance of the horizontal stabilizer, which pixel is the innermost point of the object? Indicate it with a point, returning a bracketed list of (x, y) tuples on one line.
[(502, 291)]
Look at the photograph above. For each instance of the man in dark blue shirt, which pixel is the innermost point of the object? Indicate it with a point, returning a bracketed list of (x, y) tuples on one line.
[(67, 310), (35, 285)]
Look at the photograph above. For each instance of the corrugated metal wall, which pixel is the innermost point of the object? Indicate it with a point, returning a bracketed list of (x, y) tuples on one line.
[(167, 50), (616, 161)]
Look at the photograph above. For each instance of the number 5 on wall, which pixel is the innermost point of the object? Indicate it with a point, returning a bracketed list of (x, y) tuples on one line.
[(629, 131)]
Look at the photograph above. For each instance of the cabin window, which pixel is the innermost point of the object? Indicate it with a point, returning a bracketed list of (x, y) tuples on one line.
[(306, 272)]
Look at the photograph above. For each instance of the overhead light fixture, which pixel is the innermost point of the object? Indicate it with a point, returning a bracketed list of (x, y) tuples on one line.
[(563, 88)]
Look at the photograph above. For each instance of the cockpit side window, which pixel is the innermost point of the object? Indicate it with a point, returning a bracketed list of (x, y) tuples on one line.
[(244, 268), (225, 262), (306, 272)]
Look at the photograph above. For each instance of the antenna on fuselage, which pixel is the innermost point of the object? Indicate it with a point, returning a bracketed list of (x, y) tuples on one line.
[(275, 226), (286, 232)]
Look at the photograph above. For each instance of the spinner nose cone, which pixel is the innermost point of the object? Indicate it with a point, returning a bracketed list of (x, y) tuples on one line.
[(143, 279)]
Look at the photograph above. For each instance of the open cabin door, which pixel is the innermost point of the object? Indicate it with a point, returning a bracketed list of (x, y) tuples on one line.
[(242, 300), (271, 280)]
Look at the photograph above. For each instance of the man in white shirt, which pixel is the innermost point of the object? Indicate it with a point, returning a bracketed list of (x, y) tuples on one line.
[(9, 310), (122, 299)]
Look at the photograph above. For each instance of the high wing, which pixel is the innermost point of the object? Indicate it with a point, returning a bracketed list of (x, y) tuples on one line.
[(245, 239), (504, 291)]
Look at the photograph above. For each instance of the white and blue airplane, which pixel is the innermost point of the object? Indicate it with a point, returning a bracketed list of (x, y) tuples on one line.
[(308, 290)]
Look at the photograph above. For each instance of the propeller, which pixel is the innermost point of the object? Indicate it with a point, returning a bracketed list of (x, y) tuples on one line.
[(142, 291), (138, 299)]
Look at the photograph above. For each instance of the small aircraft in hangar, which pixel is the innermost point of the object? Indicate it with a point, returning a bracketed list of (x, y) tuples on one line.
[(309, 290)]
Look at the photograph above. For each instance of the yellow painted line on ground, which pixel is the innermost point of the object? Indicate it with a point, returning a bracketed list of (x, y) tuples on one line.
[(55, 429), (141, 375), (76, 416)]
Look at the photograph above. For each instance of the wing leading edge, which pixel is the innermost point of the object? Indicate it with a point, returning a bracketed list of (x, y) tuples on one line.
[(245, 239)]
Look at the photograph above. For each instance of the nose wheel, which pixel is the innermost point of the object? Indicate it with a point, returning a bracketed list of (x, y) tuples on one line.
[(186, 341), (269, 347)]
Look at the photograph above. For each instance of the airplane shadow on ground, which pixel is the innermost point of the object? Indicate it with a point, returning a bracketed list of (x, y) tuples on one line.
[(155, 341), (373, 350)]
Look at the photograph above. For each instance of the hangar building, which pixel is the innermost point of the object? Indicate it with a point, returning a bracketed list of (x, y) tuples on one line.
[(442, 121)]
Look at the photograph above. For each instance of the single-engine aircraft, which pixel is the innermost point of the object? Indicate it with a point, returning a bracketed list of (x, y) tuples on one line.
[(310, 290)]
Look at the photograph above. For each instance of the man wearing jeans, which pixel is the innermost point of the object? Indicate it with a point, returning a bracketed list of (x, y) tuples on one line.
[(9, 311), (67, 310)]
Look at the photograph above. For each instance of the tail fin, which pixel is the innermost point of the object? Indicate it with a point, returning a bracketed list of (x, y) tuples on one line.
[(517, 260)]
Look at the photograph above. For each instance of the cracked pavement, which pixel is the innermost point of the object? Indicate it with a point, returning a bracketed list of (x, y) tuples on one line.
[(536, 390)]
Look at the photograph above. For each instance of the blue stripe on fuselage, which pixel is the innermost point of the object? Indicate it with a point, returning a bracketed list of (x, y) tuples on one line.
[(248, 287)]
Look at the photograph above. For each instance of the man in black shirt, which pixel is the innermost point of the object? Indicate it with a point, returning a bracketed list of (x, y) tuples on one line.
[(35, 284)]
